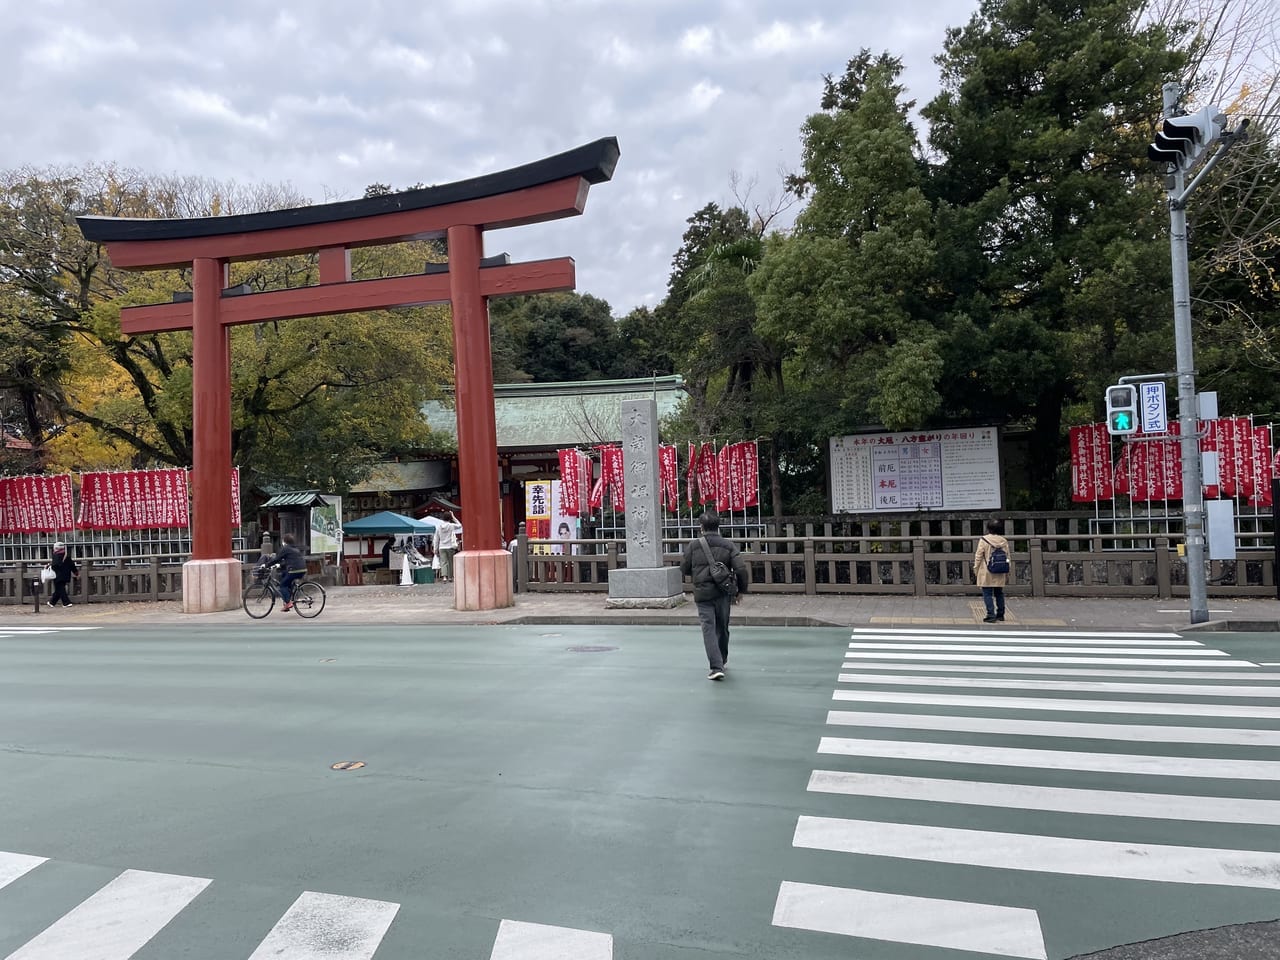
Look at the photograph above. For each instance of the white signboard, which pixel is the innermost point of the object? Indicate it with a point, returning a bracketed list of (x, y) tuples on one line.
[(326, 527), (1151, 407), (953, 469)]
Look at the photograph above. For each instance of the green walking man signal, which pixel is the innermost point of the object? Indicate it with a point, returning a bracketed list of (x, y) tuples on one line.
[(1122, 410)]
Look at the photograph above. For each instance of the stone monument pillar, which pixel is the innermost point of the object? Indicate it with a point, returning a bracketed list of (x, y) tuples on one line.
[(644, 582)]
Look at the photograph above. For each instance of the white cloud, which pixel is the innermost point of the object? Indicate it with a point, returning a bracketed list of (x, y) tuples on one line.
[(205, 104), (309, 93), (70, 48), (703, 96), (781, 37), (697, 41)]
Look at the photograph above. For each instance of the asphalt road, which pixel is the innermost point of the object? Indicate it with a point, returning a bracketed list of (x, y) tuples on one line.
[(530, 792)]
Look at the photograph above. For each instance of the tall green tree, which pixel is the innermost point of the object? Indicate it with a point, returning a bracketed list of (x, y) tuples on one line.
[(1049, 216), (843, 295), (553, 337)]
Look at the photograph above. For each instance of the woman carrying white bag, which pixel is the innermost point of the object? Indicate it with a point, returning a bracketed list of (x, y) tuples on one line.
[(63, 568)]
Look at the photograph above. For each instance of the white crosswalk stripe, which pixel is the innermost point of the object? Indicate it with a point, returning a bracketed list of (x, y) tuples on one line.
[(116, 921), (536, 941), (1078, 686), (925, 921), (320, 926), (14, 865), (127, 913), (971, 734)]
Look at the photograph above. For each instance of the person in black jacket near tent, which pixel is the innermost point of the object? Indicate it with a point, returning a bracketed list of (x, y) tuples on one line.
[(711, 600)]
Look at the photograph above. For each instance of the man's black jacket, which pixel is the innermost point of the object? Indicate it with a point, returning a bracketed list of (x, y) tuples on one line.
[(694, 564)]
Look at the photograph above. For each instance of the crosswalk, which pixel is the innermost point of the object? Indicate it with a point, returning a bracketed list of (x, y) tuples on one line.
[(1038, 759), (122, 917)]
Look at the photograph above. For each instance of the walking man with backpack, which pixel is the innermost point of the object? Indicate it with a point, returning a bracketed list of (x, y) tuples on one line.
[(719, 577), (991, 570)]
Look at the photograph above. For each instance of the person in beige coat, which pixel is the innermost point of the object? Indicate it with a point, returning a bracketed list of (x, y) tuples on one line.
[(991, 582)]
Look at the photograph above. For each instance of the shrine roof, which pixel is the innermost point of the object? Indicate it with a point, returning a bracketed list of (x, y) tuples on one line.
[(558, 415), (594, 162)]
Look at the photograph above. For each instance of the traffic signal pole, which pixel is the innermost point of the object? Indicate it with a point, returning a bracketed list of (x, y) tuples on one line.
[(1188, 406)]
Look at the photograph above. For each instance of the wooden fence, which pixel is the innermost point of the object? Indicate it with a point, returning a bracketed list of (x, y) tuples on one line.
[(1052, 556)]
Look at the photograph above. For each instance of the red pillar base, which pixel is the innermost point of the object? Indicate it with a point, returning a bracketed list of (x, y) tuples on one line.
[(211, 585), (482, 580)]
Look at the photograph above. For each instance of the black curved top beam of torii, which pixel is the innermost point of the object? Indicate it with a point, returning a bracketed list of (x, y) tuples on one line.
[(593, 162)]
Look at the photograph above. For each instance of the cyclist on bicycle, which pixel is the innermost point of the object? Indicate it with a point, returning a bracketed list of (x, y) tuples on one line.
[(293, 567)]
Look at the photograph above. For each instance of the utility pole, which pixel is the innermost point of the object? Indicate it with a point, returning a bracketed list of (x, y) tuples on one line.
[(1180, 143)]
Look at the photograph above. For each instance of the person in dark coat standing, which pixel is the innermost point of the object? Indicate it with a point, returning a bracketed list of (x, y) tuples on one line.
[(64, 568), (712, 601)]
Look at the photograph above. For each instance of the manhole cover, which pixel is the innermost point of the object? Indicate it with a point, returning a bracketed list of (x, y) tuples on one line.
[(347, 765), (586, 648), (329, 660)]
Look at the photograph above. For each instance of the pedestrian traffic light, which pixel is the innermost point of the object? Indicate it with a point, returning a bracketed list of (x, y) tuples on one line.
[(1182, 140), (1122, 410)]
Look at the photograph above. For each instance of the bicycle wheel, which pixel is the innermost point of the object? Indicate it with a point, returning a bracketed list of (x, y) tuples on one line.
[(258, 600), (308, 599)]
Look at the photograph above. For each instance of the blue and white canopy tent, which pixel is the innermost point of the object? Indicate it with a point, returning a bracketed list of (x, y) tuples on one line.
[(388, 523)]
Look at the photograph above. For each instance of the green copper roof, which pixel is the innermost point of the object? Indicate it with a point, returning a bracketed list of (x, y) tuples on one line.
[(296, 498), (556, 415)]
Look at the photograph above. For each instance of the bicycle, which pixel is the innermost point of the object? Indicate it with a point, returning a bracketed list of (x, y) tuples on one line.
[(259, 597)]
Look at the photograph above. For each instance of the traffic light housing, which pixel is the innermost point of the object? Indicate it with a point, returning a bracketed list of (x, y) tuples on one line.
[(1122, 410), (1182, 140)]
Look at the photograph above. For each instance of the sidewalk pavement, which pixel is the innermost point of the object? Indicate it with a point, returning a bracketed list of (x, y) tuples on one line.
[(433, 604)]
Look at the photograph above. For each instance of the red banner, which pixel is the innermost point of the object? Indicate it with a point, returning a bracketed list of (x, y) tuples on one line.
[(1261, 467), (1226, 436), (570, 482), (612, 478), (668, 478), (1244, 456), (750, 456), (1209, 444), (1173, 463), (1100, 448), (708, 473), (1083, 488), (1122, 475), (690, 473)]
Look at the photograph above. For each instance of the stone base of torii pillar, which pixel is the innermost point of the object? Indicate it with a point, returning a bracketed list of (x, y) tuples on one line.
[(482, 580), (211, 585)]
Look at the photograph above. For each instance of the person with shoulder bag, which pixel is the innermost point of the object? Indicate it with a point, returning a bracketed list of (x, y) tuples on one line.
[(719, 577), (991, 567)]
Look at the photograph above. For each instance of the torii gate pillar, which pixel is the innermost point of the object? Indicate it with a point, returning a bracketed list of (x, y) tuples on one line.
[(460, 212), (482, 576)]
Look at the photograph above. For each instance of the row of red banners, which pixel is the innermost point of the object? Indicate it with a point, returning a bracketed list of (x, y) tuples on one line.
[(1152, 469), (130, 500), (727, 478)]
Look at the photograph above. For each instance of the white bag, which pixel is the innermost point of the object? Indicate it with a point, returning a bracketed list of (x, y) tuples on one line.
[(435, 561), (47, 574)]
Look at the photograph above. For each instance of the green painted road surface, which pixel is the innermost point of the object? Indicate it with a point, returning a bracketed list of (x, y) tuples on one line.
[(539, 792)]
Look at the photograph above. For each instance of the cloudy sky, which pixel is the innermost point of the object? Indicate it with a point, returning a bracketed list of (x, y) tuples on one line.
[(332, 95)]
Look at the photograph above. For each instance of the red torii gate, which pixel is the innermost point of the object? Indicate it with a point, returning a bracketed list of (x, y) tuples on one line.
[(460, 212)]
